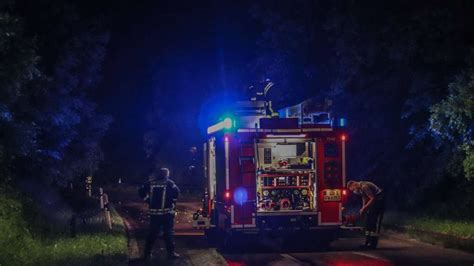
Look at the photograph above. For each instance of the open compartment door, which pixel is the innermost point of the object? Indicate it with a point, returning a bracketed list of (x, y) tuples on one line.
[(242, 172), (286, 175), (330, 181)]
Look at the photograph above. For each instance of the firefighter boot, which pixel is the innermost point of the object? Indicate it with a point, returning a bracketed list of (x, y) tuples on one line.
[(148, 249)]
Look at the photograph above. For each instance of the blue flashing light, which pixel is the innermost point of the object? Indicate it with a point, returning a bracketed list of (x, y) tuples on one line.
[(227, 123), (240, 196), (342, 122)]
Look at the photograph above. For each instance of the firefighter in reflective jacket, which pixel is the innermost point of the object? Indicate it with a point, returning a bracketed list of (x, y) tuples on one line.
[(161, 194), (373, 206)]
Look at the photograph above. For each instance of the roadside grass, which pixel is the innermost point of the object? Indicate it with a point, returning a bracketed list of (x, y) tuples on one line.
[(461, 229), (27, 239)]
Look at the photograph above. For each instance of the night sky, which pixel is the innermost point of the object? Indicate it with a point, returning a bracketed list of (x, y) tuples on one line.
[(173, 55), (93, 91), (170, 66)]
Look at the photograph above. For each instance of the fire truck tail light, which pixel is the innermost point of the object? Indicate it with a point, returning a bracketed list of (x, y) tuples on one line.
[(343, 137), (227, 195), (344, 197), (344, 192)]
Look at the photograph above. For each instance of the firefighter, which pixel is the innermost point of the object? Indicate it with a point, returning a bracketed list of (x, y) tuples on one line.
[(373, 206), (261, 92), (161, 194)]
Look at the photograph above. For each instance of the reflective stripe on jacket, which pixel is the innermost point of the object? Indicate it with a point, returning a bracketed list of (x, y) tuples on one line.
[(162, 196)]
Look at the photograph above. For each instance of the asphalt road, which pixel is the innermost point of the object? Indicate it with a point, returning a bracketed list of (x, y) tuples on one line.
[(394, 249)]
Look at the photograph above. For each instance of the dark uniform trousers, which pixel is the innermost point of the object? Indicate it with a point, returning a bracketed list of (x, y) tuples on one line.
[(161, 222), (374, 221), (161, 196)]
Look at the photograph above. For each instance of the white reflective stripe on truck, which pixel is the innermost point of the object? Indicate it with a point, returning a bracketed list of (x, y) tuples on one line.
[(232, 220), (226, 148), (343, 163), (276, 213), (340, 211), (288, 130), (315, 184)]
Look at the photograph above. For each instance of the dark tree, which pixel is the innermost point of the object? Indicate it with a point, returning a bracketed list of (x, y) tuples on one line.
[(385, 65), (49, 64)]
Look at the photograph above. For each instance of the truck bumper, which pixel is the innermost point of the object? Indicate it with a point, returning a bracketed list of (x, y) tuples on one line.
[(285, 223)]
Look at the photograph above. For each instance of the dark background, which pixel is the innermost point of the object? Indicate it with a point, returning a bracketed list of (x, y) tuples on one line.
[(120, 86)]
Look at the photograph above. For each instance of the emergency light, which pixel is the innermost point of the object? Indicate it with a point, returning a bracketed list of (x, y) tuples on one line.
[(240, 195), (342, 122), (227, 123)]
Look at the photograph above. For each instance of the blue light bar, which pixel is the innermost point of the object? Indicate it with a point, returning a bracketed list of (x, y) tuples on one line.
[(342, 122), (227, 123), (224, 124)]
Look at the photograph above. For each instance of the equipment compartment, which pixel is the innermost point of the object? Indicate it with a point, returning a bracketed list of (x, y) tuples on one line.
[(285, 191), (282, 155), (286, 175)]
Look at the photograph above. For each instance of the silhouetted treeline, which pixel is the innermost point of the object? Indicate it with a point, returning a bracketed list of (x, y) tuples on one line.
[(401, 72), (50, 60)]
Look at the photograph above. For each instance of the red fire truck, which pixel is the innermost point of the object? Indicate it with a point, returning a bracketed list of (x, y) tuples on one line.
[(274, 175)]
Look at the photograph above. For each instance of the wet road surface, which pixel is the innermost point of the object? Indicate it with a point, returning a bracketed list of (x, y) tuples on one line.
[(394, 249)]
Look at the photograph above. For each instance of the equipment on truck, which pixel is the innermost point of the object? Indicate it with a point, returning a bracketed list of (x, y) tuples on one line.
[(274, 174)]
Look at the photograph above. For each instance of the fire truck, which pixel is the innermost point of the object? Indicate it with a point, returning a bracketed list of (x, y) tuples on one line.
[(274, 175)]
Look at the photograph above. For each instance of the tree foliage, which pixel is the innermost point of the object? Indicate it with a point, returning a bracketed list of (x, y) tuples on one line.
[(18, 70), (388, 67), (452, 118), (50, 128)]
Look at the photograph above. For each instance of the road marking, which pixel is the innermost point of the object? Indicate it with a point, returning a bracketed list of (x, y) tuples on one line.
[(288, 256), (369, 255)]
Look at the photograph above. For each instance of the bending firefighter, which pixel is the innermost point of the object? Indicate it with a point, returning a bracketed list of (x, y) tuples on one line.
[(161, 194), (373, 206)]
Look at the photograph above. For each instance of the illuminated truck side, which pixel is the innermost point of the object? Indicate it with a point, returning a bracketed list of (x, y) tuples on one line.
[(272, 175)]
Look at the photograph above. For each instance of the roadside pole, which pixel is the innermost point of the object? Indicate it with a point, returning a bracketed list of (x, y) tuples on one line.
[(105, 201), (101, 197), (89, 185), (104, 205)]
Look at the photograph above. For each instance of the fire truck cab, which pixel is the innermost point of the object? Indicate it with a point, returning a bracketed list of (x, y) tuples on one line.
[(274, 175)]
